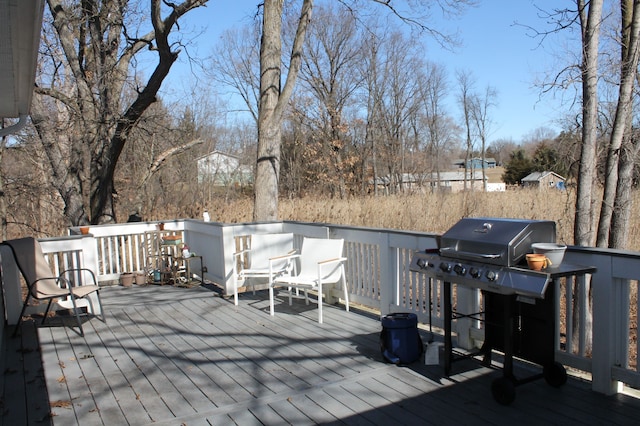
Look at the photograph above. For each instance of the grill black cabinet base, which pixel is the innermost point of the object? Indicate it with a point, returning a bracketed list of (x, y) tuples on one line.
[(517, 328)]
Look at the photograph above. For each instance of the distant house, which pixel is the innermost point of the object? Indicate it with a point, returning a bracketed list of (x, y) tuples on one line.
[(476, 163), (543, 180), (446, 181), (455, 181), (222, 169)]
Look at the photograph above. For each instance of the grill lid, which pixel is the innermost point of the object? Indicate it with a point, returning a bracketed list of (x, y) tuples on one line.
[(495, 241)]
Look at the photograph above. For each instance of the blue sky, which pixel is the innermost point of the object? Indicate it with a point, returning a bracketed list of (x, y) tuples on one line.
[(501, 52), (496, 48)]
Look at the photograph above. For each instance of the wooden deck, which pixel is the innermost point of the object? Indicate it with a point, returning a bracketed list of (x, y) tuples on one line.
[(164, 356)]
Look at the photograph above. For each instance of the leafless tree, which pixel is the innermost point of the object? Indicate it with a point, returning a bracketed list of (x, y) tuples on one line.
[(373, 93), (90, 97), (465, 100), (235, 63), (481, 106), (274, 98), (433, 92), (273, 102), (590, 16), (613, 225), (332, 51), (400, 67)]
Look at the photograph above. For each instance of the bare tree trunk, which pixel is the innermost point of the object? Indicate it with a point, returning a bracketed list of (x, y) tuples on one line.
[(480, 113), (616, 199), (464, 99), (66, 159), (590, 20), (622, 213), (273, 102), (620, 135), (583, 226), (269, 126)]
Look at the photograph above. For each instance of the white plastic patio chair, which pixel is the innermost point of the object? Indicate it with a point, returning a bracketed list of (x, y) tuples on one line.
[(321, 263), (263, 247)]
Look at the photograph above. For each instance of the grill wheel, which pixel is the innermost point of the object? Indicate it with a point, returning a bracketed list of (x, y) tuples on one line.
[(555, 374), (503, 390)]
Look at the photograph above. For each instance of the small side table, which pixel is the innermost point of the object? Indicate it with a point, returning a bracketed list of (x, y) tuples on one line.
[(187, 269), (160, 267)]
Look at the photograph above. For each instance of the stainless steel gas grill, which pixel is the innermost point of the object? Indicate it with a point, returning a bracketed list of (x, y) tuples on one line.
[(519, 311), (487, 253)]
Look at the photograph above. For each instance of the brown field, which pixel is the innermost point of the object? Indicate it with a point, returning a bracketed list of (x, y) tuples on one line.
[(430, 212), (417, 212)]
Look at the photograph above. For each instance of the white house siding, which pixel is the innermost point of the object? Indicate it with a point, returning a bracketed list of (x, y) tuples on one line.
[(222, 169)]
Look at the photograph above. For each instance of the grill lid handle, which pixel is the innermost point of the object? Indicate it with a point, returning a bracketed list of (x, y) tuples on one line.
[(470, 254)]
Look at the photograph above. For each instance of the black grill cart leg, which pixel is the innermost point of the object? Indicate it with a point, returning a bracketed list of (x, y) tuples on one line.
[(448, 345), (503, 390)]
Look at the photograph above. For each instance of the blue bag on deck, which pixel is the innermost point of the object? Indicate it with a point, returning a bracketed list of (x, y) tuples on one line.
[(400, 342)]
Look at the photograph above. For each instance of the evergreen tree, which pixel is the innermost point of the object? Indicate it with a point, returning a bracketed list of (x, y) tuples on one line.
[(546, 158), (519, 166)]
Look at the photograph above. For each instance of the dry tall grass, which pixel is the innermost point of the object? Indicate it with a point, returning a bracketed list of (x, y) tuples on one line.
[(418, 212)]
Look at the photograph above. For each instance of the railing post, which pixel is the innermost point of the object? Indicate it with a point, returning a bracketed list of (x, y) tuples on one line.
[(604, 330), (227, 249), (90, 261), (11, 285), (389, 270)]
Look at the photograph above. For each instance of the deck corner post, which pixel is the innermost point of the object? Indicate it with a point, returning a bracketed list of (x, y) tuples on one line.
[(11, 285), (604, 327), (389, 267)]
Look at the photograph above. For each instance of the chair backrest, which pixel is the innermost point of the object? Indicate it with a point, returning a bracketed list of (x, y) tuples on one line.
[(34, 266), (266, 246), (315, 250)]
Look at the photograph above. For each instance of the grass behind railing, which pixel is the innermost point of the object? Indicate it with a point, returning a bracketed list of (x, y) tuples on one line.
[(419, 212), (430, 212)]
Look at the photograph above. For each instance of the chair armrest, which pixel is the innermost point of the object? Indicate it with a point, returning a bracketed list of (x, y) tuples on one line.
[(56, 279), (337, 259), (292, 254), (71, 282), (238, 253)]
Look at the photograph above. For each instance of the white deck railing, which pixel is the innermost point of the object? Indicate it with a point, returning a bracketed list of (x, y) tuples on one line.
[(378, 277)]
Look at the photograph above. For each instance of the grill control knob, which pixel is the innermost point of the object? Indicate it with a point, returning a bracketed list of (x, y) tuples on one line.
[(422, 263), (445, 267), (491, 275), (459, 269), (475, 272)]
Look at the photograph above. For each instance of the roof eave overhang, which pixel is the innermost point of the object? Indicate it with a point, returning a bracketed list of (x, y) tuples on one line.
[(20, 27)]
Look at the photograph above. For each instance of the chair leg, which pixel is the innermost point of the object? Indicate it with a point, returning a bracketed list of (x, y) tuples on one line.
[(24, 308), (271, 303), (235, 291), (346, 292), (93, 310), (46, 312), (75, 310), (104, 319), (319, 302)]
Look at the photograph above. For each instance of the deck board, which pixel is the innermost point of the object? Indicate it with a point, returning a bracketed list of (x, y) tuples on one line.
[(169, 356)]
